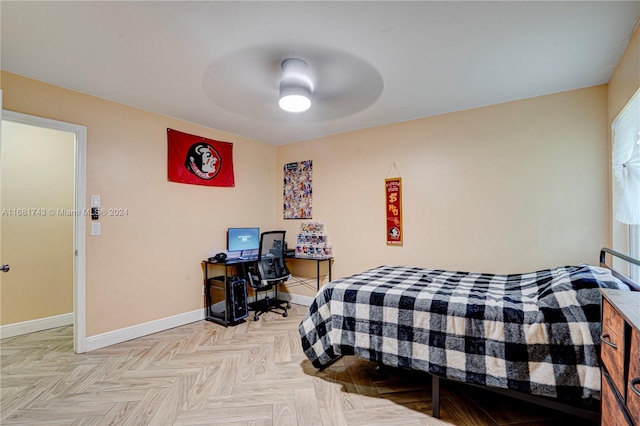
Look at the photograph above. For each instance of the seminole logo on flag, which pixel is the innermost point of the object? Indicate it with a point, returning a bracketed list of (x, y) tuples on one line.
[(199, 161)]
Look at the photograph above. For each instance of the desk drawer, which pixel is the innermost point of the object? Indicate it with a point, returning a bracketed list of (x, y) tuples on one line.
[(633, 389), (612, 347)]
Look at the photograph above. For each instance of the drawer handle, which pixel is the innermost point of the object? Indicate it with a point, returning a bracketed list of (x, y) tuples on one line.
[(632, 385), (604, 338)]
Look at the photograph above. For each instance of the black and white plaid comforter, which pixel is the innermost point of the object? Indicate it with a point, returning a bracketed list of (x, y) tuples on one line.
[(536, 332)]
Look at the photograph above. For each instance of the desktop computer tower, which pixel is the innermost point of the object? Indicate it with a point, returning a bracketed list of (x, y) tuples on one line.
[(237, 306)]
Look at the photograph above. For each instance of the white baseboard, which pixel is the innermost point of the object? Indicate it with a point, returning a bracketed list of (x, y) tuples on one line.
[(26, 327), (297, 299), (124, 334)]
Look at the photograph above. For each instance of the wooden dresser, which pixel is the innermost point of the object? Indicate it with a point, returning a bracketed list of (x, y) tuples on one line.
[(620, 353)]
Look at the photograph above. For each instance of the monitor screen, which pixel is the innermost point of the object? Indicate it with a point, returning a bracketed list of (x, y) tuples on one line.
[(243, 239)]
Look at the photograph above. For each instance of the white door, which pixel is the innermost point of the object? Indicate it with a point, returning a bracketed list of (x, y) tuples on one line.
[(42, 228)]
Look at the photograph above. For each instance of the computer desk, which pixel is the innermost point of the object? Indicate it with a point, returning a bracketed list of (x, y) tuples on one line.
[(222, 282), (318, 261), (225, 317)]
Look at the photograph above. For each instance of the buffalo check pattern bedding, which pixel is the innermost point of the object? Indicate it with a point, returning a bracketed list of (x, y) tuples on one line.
[(535, 332)]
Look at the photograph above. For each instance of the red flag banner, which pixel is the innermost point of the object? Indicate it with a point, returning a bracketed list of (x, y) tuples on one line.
[(393, 191), (199, 161)]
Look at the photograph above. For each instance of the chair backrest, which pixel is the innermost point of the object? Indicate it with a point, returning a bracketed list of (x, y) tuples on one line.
[(271, 265)]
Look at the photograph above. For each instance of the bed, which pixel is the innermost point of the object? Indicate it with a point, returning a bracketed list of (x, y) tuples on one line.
[(533, 335)]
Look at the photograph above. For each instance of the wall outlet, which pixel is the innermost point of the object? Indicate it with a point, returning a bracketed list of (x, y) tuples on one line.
[(96, 228)]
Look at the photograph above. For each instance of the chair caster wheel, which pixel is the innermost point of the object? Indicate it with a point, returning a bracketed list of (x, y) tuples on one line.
[(288, 306), (285, 314), (256, 318)]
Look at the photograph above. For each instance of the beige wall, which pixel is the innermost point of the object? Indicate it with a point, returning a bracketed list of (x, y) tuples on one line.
[(37, 173), (623, 84), (505, 188), (625, 81), (147, 265)]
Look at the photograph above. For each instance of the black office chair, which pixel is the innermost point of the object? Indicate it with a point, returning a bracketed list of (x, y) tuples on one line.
[(269, 271)]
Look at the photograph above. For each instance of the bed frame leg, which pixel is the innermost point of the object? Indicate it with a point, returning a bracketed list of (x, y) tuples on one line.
[(435, 396), (329, 363)]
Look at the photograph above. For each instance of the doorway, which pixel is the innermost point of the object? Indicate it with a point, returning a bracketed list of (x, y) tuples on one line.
[(43, 231)]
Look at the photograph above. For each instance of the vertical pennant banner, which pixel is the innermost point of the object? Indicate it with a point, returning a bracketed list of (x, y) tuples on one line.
[(199, 161), (393, 192)]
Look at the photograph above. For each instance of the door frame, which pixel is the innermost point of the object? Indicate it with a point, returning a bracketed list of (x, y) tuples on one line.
[(79, 221)]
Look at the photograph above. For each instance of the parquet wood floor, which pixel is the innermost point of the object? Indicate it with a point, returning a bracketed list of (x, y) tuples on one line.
[(251, 374)]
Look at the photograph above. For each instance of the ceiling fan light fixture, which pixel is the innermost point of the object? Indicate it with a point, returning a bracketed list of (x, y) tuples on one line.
[(294, 98), (295, 86)]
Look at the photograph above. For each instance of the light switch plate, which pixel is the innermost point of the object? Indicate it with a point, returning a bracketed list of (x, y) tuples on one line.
[(95, 201), (96, 228)]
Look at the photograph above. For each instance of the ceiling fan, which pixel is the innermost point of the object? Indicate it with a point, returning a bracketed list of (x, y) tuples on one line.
[(330, 83)]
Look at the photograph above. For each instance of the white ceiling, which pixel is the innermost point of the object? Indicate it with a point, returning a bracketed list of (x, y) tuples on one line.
[(216, 63)]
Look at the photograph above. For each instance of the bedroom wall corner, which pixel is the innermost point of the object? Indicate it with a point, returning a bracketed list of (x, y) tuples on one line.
[(505, 188)]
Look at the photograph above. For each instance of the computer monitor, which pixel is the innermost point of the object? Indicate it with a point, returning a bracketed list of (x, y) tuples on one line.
[(243, 240)]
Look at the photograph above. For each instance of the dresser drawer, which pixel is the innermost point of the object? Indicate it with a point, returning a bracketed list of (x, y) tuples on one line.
[(612, 347), (612, 413), (633, 389)]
